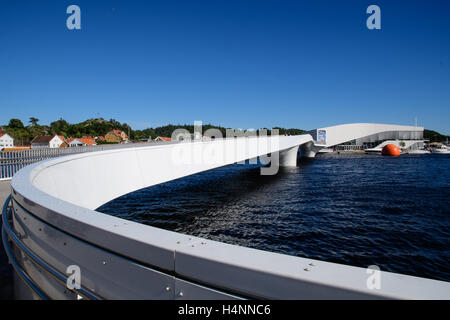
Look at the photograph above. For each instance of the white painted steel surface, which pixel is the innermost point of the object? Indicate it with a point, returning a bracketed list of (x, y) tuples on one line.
[(13, 161), (54, 212), (342, 133)]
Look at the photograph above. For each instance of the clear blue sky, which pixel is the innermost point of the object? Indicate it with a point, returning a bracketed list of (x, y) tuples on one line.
[(237, 63)]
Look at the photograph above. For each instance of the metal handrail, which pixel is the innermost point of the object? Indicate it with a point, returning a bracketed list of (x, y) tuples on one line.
[(7, 231), (19, 270), (11, 258), (13, 161)]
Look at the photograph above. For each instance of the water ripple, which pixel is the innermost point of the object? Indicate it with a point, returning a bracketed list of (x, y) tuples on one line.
[(358, 210)]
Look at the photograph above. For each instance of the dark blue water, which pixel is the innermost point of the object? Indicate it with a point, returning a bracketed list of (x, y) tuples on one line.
[(358, 210)]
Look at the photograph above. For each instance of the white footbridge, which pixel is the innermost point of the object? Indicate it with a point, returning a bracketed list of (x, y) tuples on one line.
[(51, 230)]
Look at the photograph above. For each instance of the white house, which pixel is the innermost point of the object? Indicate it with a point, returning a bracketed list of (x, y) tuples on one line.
[(6, 141), (158, 138), (47, 142), (80, 142)]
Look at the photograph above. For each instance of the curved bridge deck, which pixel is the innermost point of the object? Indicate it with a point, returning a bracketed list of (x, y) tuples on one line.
[(51, 224)]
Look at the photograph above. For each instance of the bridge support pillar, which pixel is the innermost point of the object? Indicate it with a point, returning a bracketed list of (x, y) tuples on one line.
[(288, 158), (308, 150)]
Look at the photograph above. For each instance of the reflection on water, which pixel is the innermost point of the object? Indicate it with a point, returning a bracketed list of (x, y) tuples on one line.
[(358, 210)]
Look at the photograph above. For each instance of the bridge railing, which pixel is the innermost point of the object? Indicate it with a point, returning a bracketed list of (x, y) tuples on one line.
[(349, 147), (118, 258), (13, 161), (197, 268)]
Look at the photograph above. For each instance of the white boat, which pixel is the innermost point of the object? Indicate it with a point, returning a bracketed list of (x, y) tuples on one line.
[(326, 150), (419, 151), (373, 150), (440, 149)]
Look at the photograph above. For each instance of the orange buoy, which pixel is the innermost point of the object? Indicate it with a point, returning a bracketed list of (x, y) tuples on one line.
[(390, 150)]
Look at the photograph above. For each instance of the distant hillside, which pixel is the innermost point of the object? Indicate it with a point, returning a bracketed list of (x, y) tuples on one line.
[(434, 136), (166, 131), (99, 127), (92, 127)]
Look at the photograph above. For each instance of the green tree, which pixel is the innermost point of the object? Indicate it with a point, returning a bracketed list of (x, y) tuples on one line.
[(60, 127), (434, 136), (15, 124), (34, 121)]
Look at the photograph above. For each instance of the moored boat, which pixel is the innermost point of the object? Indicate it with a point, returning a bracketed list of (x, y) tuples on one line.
[(419, 151), (442, 149)]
